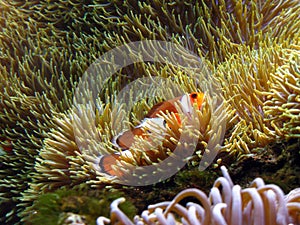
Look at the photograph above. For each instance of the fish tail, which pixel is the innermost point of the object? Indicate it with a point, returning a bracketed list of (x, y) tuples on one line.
[(106, 163)]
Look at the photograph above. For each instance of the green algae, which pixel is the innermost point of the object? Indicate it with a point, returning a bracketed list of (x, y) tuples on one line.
[(53, 208)]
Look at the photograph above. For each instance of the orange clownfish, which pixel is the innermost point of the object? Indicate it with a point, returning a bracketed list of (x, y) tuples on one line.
[(125, 139)]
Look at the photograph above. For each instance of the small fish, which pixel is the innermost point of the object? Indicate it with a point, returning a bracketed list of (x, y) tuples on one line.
[(125, 139)]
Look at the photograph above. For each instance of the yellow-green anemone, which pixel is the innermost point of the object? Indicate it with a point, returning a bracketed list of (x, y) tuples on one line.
[(45, 46)]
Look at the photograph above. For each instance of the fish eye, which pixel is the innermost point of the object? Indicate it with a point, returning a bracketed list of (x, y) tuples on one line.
[(194, 95)]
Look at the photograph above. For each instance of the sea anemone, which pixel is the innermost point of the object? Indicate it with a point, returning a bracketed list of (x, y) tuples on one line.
[(261, 87), (33, 89), (69, 158), (227, 203), (43, 53)]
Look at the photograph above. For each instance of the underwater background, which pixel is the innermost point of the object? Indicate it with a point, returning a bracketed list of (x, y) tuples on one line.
[(251, 48)]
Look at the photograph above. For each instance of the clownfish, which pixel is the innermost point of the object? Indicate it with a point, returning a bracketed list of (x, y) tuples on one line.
[(125, 139)]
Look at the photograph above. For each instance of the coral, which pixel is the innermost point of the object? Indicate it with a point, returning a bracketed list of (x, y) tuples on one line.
[(226, 204)]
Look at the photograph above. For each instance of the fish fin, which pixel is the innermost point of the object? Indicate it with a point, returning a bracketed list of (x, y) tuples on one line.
[(107, 161), (162, 107), (153, 111), (126, 138)]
